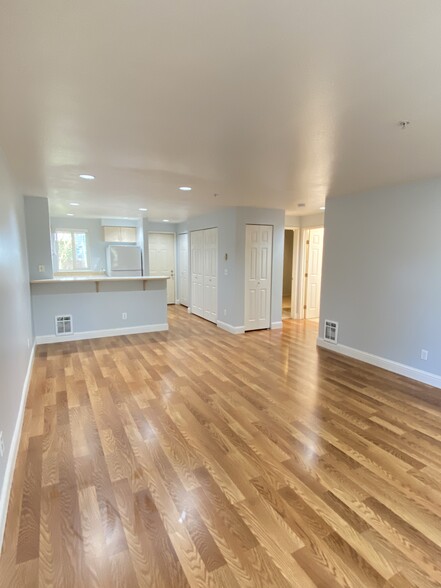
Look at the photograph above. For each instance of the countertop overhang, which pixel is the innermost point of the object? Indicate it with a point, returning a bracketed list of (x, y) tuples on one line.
[(98, 279)]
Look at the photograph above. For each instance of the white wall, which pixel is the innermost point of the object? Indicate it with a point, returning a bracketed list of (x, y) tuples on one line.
[(382, 272), (305, 222), (97, 245), (15, 320), (95, 231)]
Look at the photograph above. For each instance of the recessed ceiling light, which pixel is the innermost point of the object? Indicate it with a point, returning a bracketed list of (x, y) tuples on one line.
[(143, 209), (322, 207), (74, 203), (165, 220), (87, 177), (70, 214), (185, 188)]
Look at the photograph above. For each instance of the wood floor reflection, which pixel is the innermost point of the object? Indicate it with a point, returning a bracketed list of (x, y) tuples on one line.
[(199, 458)]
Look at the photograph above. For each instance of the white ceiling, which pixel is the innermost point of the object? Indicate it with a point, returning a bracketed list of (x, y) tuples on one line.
[(265, 102)]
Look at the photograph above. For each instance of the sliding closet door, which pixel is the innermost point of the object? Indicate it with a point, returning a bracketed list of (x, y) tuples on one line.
[(210, 275), (204, 273), (197, 272)]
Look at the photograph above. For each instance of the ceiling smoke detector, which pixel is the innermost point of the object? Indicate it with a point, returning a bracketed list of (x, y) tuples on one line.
[(404, 124)]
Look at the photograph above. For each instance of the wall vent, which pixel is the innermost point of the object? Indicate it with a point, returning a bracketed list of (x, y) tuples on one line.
[(63, 325), (331, 331)]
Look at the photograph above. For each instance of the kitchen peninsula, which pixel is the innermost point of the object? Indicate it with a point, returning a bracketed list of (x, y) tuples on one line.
[(99, 306)]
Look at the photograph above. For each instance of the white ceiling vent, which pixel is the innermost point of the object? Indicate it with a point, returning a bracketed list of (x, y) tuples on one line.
[(331, 331), (63, 325)]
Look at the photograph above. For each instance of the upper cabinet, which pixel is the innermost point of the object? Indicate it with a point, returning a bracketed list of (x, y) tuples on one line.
[(120, 234)]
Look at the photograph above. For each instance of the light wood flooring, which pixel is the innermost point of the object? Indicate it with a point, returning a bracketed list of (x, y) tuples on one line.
[(199, 458)]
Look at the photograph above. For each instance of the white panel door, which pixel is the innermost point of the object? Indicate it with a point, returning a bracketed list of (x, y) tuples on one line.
[(210, 275), (183, 268), (258, 259), (197, 272), (314, 271), (162, 260)]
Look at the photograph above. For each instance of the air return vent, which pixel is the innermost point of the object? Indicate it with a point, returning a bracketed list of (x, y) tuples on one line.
[(63, 325), (331, 331)]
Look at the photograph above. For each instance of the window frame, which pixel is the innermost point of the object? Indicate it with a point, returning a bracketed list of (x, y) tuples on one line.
[(74, 258)]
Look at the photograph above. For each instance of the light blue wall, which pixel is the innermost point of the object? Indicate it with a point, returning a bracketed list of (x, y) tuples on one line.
[(15, 317), (231, 224), (96, 311), (381, 272), (38, 237)]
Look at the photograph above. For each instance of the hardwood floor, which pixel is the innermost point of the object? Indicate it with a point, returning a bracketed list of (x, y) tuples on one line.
[(199, 458)]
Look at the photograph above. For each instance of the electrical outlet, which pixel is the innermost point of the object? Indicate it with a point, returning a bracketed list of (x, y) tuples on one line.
[(41, 269), (424, 354), (2, 444), (124, 316), (29, 343), (225, 312)]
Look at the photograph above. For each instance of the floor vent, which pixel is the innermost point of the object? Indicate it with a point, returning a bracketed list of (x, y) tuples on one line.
[(63, 325), (331, 331)]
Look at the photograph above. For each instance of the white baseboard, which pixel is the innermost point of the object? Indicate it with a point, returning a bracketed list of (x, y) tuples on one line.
[(13, 450), (102, 333), (386, 364), (189, 310), (230, 328), (277, 325)]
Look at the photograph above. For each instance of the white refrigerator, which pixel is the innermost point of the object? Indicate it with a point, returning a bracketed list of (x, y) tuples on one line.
[(124, 261)]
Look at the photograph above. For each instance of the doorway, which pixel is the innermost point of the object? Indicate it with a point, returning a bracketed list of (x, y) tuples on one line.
[(288, 283), (162, 260), (312, 276), (291, 297)]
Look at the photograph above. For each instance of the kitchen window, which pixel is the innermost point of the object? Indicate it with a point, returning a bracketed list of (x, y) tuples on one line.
[(71, 249)]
